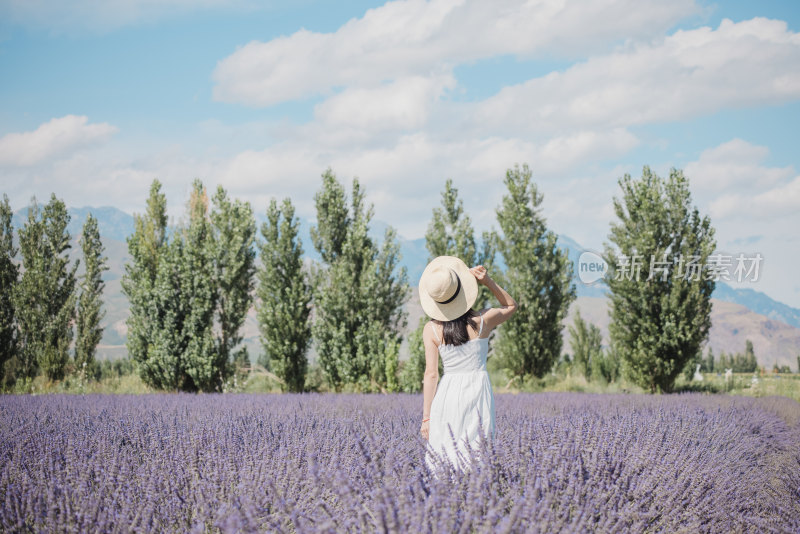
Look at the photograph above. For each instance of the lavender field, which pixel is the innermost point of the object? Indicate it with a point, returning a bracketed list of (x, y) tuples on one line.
[(354, 463)]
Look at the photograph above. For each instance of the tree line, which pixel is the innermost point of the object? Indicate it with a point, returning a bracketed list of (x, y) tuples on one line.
[(45, 307), (190, 289)]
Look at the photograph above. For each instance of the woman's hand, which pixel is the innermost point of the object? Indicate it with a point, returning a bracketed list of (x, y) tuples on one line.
[(480, 274), (424, 429)]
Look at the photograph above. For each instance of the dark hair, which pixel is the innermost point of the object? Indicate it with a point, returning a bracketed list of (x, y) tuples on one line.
[(455, 332)]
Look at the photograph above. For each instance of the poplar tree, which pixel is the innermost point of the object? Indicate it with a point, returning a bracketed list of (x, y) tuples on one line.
[(449, 233), (9, 274), (358, 293), (605, 366), (90, 304), (539, 277), (45, 296), (586, 342), (710, 361), (148, 342), (284, 297), (234, 228), (179, 287), (207, 367), (751, 363), (659, 284)]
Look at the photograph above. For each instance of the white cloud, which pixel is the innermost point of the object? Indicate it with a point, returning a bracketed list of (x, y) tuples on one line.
[(415, 38), (770, 205), (736, 164), (402, 104), (687, 74), (77, 16), (735, 184), (404, 178), (52, 139)]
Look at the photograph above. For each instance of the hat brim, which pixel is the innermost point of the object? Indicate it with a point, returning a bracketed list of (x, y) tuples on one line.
[(464, 300)]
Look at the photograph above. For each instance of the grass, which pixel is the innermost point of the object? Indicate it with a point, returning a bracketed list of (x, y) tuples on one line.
[(768, 384), (128, 383)]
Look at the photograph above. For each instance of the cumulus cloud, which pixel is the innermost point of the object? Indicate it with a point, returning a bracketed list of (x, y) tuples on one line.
[(771, 204), (687, 74), (736, 164), (734, 181), (404, 178), (52, 139), (403, 104), (416, 38)]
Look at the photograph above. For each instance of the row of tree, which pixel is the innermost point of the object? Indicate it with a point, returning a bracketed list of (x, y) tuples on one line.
[(739, 362), (40, 306), (658, 324), (190, 292), (181, 286), (190, 289), (592, 361)]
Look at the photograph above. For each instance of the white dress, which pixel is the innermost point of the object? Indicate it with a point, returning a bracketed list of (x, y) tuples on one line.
[(463, 393)]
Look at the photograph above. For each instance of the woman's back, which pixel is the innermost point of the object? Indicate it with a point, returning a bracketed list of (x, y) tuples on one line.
[(466, 357), (464, 402), (458, 410)]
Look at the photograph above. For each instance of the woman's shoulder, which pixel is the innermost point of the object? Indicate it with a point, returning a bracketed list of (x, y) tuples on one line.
[(432, 328)]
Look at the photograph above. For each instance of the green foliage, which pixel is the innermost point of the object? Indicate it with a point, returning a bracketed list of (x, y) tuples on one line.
[(90, 303), (392, 362), (234, 229), (708, 365), (358, 293), (606, 366), (153, 305), (9, 274), (178, 287), (750, 356), (739, 362), (116, 368), (413, 369), (284, 297), (538, 275), (450, 233), (659, 322), (45, 296), (330, 233), (586, 342), (207, 367)]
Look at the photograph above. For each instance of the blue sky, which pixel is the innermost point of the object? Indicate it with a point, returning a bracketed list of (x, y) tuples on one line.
[(99, 98)]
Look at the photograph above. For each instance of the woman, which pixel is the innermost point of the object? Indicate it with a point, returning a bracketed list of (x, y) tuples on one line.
[(448, 289)]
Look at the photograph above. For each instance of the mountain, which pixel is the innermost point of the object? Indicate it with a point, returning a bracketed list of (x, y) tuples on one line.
[(738, 313), (731, 326), (759, 303), (112, 223), (751, 299)]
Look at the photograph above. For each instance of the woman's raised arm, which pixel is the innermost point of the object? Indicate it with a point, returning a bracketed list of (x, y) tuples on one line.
[(494, 317)]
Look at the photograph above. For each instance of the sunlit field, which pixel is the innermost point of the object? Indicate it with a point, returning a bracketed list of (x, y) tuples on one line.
[(347, 463)]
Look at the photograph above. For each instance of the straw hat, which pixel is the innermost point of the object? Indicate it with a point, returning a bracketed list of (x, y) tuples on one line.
[(447, 288)]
